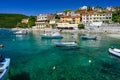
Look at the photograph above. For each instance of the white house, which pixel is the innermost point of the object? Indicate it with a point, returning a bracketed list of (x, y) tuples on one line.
[(84, 8), (42, 20)]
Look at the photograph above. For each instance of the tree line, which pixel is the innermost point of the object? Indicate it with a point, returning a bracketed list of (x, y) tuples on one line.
[(14, 20)]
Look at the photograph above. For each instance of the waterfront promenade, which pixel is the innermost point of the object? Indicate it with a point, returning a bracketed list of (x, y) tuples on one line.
[(104, 28)]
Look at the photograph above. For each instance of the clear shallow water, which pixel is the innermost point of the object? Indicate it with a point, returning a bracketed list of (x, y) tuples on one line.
[(33, 58)]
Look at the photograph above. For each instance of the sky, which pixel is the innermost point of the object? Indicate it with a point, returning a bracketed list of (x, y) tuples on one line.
[(36, 7)]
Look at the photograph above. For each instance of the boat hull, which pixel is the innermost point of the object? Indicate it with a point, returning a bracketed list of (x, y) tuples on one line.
[(20, 32), (115, 53), (5, 67), (65, 44)]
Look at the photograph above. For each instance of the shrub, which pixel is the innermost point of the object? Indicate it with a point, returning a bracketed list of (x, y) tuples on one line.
[(81, 26)]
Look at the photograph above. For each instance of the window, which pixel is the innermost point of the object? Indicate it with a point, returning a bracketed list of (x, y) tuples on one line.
[(106, 17)]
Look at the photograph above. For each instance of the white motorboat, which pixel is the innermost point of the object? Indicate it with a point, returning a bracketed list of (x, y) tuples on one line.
[(20, 32), (4, 67), (1, 45), (66, 44), (114, 51), (52, 35)]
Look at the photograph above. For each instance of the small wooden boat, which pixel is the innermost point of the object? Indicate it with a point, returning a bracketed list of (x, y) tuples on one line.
[(114, 51), (53, 35), (4, 67), (66, 44)]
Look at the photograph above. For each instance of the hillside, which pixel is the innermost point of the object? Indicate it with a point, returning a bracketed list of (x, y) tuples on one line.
[(10, 20)]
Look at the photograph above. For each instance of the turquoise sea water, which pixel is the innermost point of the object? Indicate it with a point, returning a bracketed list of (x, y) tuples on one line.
[(33, 58)]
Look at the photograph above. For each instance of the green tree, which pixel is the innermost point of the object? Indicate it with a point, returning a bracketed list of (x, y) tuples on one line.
[(56, 16), (117, 8), (53, 25), (81, 26), (10, 20), (21, 25), (65, 11), (89, 8), (119, 20), (31, 21), (115, 16)]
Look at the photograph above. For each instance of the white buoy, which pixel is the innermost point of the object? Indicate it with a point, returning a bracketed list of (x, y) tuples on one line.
[(53, 67), (89, 61)]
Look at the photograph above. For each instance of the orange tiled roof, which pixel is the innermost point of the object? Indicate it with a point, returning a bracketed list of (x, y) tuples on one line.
[(76, 16), (107, 11), (70, 16), (65, 16)]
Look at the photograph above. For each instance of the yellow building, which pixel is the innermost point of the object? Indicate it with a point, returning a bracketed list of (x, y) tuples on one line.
[(70, 19), (64, 19), (76, 19)]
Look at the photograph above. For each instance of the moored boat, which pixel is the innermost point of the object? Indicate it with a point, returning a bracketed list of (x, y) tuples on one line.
[(1, 45), (114, 51), (66, 44), (53, 35), (20, 32), (4, 67)]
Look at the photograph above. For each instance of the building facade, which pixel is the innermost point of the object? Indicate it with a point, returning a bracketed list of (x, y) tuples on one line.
[(42, 21), (96, 17), (70, 19), (66, 26)]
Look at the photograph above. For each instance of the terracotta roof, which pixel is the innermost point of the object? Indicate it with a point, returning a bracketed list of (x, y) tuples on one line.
[(76, 16), (70, 16), (107, 11), (65, 16)]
